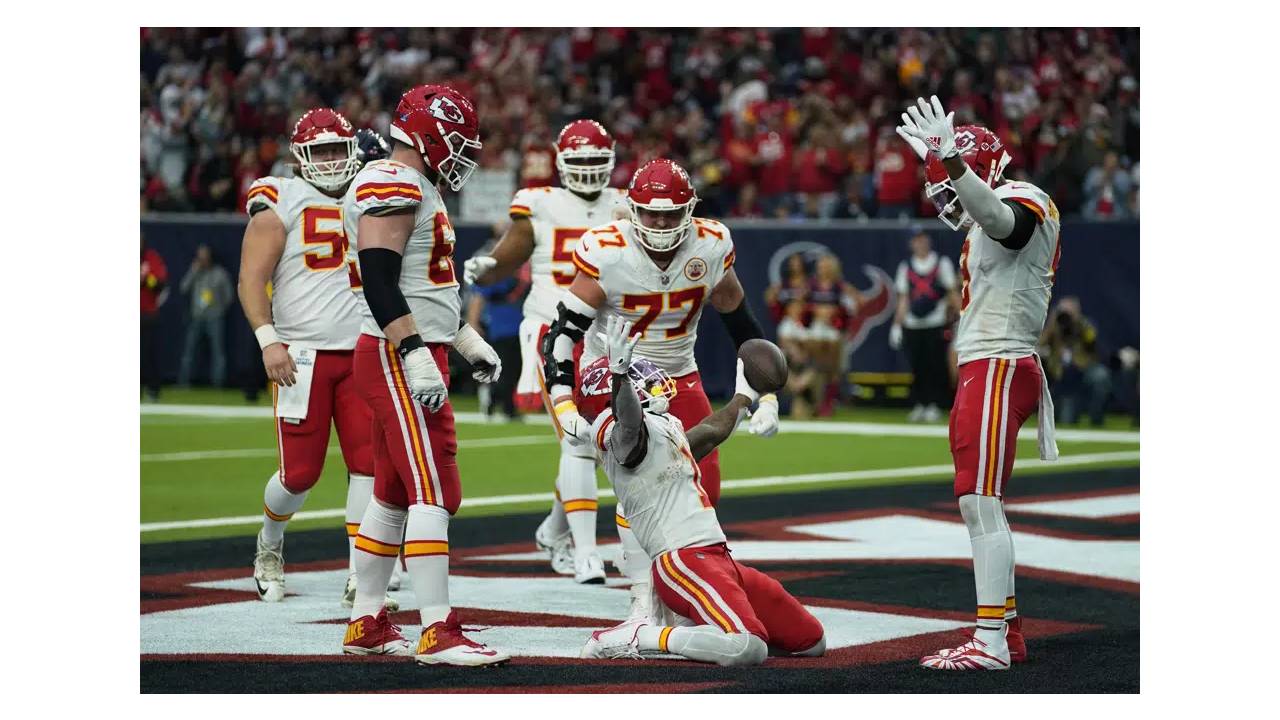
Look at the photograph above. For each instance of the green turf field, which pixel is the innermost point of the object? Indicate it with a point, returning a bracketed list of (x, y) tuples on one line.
[(200, 467)]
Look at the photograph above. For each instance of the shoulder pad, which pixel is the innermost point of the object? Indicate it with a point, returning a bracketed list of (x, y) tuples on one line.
[(263, 193), (525, 202), (1030, 197), (599, 247), (386, 183)]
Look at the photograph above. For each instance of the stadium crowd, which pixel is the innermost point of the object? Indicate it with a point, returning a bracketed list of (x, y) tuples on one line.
[(786, 123)]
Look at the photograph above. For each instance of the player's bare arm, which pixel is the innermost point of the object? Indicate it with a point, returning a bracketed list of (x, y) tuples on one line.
[(710, 433), (383, 237), (729, 299), (925, 125), (262, 247), (513, 250)]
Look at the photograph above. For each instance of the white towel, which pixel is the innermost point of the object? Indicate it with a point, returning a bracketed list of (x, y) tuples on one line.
[(292, 402), (1046, 431)]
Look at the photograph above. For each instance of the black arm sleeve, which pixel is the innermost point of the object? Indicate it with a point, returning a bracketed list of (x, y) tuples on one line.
[(1024, 223), (572, 325), (630, 436), (380, 271), (742, 325)]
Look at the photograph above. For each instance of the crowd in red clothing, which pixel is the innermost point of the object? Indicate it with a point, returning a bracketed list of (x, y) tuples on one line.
[(771, 123)]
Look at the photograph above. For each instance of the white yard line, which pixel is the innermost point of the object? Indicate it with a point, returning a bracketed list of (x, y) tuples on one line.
[(546, 439), (768, 481), (808, 427)]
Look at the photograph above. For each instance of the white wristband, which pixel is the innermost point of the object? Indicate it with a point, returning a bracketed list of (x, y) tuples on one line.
[(266, 336)]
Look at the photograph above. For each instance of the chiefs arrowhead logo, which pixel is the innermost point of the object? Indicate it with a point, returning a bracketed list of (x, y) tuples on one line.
[(445, 109)]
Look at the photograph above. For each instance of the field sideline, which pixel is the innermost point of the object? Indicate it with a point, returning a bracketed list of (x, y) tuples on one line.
[(205, 456)]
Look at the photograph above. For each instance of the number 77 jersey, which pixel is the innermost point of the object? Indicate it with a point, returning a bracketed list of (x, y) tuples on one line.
[(664, 305), (427, 277), (311, 300)]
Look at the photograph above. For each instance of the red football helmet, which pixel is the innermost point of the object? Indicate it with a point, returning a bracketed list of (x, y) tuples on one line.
[(441, 124), (319, 127), (594, 392), (584, 156), (662, 188), (985, 155)]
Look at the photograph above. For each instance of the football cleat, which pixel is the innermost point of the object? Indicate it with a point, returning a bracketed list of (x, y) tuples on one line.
[(559, 548), (1017, 643), (268, 570), (442, 643), (589, 569), (349, 596), (973, 655), (618, 642), (375, 635)]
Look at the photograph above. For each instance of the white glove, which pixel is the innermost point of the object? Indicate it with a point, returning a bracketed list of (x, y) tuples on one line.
[(742, 387), (904, 131), (895, 336), (475, 268), (425, 382), (619, 343), (486, 366), (576, 428), (764, 421), (932, 126)]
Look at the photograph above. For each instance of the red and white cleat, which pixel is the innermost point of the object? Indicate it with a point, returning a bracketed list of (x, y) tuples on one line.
[(374, 635), (1017, 643), (619, 641), (442, 643), (973, 655)]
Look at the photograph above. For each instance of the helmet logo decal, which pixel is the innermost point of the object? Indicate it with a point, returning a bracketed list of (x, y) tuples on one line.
[(445, 109)]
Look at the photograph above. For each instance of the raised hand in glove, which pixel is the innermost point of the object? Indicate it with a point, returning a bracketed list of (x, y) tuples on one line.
[(931, 126)]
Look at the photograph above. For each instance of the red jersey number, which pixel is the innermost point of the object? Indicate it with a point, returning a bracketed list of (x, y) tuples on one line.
[(332, 252), (563, 242), (440, 266)]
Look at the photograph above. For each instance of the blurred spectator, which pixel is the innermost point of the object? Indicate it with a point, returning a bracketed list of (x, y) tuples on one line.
[(797, 113), (209, 286), (831, 302), (495, 311), (793, 287), (154, 281), (1077, 378), (927, 300), (1107, 189), (804, 387)]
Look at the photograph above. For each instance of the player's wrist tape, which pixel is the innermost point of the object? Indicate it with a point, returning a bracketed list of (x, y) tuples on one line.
[(409, 344), (266, 335), (565, 406), (468, 342)]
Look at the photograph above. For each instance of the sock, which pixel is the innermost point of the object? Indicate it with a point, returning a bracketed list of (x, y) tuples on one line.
[(377, 546), (576, 485), (426, 554), (1010, 604), (705, 644), (992, 562), (359, 492), (278, 505), (635, 564), (557, 522)]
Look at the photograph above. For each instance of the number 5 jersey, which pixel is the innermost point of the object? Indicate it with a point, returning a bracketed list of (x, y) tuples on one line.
[(311, 300)]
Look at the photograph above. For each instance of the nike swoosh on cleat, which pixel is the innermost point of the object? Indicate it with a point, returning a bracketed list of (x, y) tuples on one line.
[(261, 591)]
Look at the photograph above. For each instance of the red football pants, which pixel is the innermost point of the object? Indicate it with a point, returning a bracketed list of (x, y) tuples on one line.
[(994, 397), (707, 586), (414, 450), (302, 446)]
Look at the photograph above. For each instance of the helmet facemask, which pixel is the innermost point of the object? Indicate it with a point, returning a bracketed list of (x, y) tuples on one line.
[(327, 174), (585, 170), (944, 197), (653, 386), (457, 168), (663, 239)]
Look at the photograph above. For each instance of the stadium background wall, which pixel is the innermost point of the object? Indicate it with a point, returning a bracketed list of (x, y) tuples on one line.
[(1099, 265)]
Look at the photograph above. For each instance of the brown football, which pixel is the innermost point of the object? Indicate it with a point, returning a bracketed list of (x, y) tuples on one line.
[(764, 365)]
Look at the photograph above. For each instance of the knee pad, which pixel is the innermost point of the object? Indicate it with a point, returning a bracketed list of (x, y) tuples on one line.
[(983, 514), (817, 650), (750, 650)]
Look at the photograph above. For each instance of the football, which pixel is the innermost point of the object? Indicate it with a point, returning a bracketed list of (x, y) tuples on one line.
[(764, 365)]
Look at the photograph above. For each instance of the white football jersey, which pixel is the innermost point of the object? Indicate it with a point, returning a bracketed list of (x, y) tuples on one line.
[(1004, 294), (559, 219), (663, 305), (311, 301), (426, 274), (666, 504)]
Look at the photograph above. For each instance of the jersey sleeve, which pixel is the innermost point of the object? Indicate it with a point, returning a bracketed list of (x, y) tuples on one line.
[(598, 248), (601, 431), (264, 194), (525, 202), (385, 184), (1030, 197), (722, 240)]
